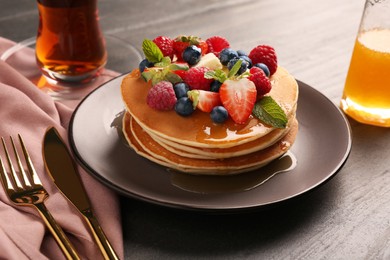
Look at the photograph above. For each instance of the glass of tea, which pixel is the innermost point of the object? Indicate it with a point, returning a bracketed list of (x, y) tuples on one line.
[(366, 96), (70, 47)]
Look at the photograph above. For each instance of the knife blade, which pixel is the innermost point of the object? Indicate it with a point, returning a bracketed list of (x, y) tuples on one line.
[(60, 166)]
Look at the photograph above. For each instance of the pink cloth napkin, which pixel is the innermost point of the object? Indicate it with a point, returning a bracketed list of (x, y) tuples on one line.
[(27, 110)]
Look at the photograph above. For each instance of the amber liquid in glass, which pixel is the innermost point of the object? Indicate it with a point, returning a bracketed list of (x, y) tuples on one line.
[(70, 46), (366, 96)]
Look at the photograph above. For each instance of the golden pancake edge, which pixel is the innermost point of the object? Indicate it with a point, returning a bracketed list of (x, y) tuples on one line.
[(144, 145)]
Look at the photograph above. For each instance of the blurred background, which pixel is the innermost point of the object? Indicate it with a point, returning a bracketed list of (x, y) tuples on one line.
[(296, 28)]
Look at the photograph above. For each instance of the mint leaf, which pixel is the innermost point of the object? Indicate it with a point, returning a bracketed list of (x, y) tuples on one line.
[(157, 77), (268, 111), (176, 66), (165, 61), (192, 40), (209, 74), (148, 75), (173, 78), (194, 96), (219, 75), (152, 51), (236, 67)]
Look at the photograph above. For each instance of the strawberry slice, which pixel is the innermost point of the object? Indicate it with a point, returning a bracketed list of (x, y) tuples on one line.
[(238, 97), (204, 100), (180, 73)]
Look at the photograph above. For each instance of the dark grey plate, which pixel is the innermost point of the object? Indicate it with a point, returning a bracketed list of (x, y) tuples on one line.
[(322, 146)]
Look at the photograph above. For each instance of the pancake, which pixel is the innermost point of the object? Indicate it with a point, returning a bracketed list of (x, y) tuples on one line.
[(195, 144), (209, 153), (144, 145), (198, 130)]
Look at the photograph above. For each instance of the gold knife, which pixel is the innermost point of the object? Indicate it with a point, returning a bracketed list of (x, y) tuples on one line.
[(60, 166)]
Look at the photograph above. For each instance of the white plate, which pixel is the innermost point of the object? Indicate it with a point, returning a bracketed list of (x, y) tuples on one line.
[(321, 148)]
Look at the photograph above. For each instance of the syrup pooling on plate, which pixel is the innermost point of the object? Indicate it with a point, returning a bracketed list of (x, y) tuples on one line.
[(236, 183)]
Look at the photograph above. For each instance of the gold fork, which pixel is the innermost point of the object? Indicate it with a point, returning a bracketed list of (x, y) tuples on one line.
[(25, 189)]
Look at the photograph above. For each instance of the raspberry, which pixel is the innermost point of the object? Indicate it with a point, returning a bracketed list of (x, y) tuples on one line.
[(195, 79), (264, 54), (165, 44), (262, 82), (161, 96), (217, 44)]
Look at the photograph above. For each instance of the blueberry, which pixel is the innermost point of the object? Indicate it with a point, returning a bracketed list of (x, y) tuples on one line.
[(226, 55), (243, 68), (264, 68), (248, 60), (215, 85), (219, 114), (184, 106), (145, 64), (192, 55), (181, 89), (241, 53)]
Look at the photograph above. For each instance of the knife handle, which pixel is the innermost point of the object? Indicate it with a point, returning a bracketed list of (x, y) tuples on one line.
[(59, 235), (101, 239)]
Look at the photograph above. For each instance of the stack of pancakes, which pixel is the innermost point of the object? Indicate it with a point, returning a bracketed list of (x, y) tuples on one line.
[(195, 144)]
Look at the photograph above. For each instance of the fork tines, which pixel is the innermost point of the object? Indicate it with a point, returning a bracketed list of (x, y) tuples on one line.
[(24, 188), (24, 178)]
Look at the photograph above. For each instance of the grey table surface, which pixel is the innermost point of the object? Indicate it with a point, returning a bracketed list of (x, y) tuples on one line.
[(347, 218)]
